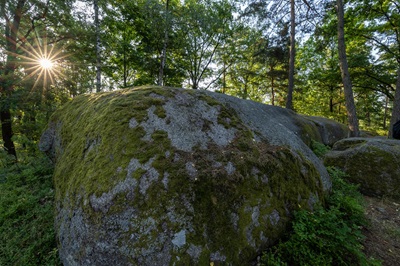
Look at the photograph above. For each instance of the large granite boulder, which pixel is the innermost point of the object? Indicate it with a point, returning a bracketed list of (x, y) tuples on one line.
[(374, 163), (162, 176)]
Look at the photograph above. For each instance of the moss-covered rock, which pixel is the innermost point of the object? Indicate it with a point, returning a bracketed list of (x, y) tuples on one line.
[(161, 176), (374, 163), (329, 131)]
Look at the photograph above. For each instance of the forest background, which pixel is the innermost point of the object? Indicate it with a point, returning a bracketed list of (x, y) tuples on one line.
[(283, 53), (278, 52)]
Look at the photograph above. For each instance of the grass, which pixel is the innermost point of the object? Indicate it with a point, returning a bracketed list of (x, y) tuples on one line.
[(27, 235)]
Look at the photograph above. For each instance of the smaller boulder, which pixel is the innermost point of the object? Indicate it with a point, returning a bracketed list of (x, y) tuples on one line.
[(374, 163)]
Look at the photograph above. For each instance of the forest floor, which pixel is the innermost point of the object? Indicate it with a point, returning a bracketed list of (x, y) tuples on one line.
[(383, 234)]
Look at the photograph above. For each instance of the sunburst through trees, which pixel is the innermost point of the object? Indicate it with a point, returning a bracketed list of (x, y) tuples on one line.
[(46, 63), (41, 62)]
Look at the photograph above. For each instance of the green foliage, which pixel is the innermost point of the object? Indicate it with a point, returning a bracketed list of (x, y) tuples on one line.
[(258, 66), (326, 236), (27, 236), (319, 149)]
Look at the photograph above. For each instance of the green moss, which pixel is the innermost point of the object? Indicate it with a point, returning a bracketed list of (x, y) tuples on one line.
[(309, 131), (204, 97), (160, 112), (103, 116), (204, 257), (349, 143), (366, 165), (215, 188), (100, 122)]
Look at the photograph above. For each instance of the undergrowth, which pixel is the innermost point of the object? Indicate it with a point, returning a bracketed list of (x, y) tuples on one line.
[(27, 235), (329, 235), (319, 149)]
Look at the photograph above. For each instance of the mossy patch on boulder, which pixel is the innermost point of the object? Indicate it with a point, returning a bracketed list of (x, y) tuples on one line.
[(162, 176), (374, 163), (329, 131)]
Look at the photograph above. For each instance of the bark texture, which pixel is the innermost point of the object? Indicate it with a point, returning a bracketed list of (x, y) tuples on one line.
[(7, 82), (348, 90), (160, 81), (7, 132), (396, 105), (289, 100), (98, 59)]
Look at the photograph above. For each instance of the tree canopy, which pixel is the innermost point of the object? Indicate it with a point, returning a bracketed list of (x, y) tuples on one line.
[(242, 48)]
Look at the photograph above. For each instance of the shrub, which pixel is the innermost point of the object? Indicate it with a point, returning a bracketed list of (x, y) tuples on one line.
[(319, 149), (325, 236), (27, 235)]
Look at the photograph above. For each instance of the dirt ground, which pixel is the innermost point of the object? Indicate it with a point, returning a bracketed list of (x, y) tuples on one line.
[(383, 234)]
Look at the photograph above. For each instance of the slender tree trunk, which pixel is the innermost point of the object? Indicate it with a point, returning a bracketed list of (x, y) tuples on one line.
[(340, 107), (98, 59), (386, 112), (272, 93), (396, 105), (7, 132), (245, 91), (348, 90), (125, 63), (7, 85), (289, 100), (271, 70), (331, 100), (195, 84), (125, 67), (160, 81), (224, 79)]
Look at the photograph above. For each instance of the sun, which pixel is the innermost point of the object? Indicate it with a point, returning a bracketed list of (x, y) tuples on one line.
[(46, 63), (41, 62)]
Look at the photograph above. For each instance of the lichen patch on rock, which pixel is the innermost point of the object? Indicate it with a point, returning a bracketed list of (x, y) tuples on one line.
[(189, 122)]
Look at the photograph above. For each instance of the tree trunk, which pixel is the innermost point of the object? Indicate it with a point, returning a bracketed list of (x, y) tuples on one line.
[(348, 90), (195, 84), (396, 105), (331, 99), (125, 65), (98, 60), (245, 94), (7, 86), (6, 131), (368, 116), (224, 79), (386, 112), (160, 81), (271, 70), (289, 100)]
